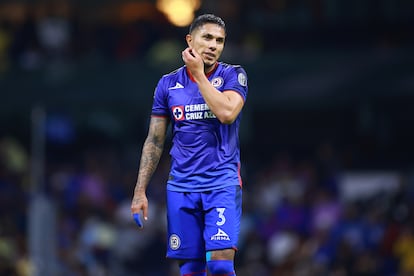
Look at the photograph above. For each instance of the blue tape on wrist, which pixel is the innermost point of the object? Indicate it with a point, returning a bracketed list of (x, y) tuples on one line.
[(208, 256), (138, 220)]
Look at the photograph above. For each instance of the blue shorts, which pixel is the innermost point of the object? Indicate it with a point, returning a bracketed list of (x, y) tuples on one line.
[(203, 221)]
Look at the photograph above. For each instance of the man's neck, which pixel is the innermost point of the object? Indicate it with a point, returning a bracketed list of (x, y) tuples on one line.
[(209, 69)]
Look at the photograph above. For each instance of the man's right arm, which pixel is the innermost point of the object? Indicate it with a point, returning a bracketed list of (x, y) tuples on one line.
[(150, 157)]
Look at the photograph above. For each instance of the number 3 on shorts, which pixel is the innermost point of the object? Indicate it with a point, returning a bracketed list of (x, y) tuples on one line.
[(221, 216)]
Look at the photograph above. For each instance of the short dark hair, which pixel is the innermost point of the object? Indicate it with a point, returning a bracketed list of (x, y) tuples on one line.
[(207, 18)]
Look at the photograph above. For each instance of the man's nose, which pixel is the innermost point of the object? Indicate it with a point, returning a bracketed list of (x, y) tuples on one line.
[(213, 45)]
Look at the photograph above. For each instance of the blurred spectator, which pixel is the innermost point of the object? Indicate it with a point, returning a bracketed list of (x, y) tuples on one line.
[(25, 49), (404, 250), (5, 42), (53, 32)]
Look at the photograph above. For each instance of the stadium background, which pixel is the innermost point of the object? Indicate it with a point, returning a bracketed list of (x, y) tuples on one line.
[(326, 135)]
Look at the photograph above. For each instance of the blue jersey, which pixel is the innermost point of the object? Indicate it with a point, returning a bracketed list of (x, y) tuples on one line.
[(205, 153)]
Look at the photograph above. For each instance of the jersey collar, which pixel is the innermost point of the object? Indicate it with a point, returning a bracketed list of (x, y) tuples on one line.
[(207, 75)]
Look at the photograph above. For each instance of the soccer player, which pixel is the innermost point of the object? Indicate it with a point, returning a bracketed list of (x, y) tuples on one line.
[(203, 101)]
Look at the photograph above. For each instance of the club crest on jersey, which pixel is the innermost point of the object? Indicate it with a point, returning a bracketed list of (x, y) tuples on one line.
[(242, 79), (175, 242), (178, 112), (217, 82)]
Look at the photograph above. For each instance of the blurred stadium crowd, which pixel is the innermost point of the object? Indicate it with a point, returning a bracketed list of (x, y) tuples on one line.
[(328, 207), (35, 33), (298, 219)]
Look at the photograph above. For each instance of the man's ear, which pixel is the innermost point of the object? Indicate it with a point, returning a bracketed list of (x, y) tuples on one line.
[(189, 39)]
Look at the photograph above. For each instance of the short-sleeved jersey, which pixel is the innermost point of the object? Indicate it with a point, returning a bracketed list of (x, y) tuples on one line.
[(205, 153)]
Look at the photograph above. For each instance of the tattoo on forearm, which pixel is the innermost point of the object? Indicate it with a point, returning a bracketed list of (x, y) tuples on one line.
[(151, 152)]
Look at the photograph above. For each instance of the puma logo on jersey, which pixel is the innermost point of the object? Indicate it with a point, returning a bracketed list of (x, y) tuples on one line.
[(177, 86)]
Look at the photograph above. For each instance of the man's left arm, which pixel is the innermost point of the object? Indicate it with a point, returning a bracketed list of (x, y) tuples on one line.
[(226, 105)]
